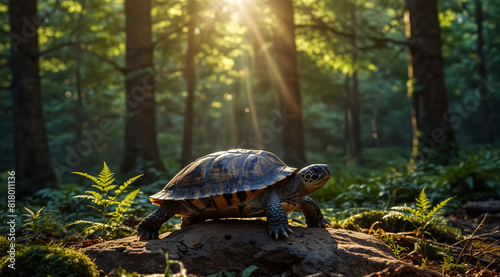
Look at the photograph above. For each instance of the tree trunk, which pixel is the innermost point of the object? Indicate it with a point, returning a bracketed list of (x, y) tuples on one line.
[(190, 76), (347, 123), (141, 147), (79, 101), (433, 136), (355, 110), (288, 81), (33, 168), (487, 133)]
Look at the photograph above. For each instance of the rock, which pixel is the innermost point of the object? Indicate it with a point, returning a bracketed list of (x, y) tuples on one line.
[(233, 245)]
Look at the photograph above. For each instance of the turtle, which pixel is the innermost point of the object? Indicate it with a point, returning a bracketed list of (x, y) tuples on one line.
[(238, 183)]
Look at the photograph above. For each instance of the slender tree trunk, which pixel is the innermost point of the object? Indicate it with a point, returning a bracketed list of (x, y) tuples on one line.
[(434, 138), (347, 123), (79, 101), (141, 147), (190, 76), (288, 81), (487, 133), (33, 168), (355, 107)]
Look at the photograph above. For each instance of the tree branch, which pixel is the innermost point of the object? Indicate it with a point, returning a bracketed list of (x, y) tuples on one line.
[(350, 35), (167, 35), (55, 47), (116, 66), (320, 24), (50, 13)]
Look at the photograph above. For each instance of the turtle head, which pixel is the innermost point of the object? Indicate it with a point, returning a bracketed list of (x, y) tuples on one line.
[(313, 177)]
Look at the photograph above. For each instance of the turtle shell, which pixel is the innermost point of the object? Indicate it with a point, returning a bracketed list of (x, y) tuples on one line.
[(225, 179)]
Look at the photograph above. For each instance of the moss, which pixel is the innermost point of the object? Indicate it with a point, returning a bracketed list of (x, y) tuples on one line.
[(395, 223), (4, 245), (362, 220), (44, 260)]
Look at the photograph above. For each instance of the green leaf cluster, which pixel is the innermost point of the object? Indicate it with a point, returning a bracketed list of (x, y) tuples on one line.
[(423, 214), (105, 202), (33, 223)]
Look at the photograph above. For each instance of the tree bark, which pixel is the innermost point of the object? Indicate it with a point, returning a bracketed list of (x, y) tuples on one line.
[(79, 101), (288, 81), (141, 147), (347, 122), (433, 136), (33, 167), (190, 76), (483, 91), (355, 109)]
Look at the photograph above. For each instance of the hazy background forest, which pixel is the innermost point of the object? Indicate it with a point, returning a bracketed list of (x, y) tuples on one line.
[(148, 86)]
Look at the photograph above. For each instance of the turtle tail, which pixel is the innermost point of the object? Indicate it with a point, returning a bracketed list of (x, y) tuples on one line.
[(149, 226)]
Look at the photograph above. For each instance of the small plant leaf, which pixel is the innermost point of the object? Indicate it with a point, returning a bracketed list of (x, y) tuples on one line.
[(88, 176), (248, 271), (32, 214)]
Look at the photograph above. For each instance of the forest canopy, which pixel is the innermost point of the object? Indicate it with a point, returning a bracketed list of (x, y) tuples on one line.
[(152, 85)]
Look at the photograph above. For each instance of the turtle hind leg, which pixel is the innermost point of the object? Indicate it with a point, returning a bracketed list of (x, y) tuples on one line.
[(312, 212), (149, 226), (186, 221)]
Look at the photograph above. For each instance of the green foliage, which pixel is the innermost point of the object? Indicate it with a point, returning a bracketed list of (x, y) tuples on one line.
[(450, 264), (103, 201), (421, 218), (49, 260), (4, 245), (423, 215), (34, 222), (395, 248), (169, 263), (247, 272)]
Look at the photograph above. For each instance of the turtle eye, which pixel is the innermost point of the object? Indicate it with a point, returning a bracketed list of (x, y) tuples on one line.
[(316, 169)]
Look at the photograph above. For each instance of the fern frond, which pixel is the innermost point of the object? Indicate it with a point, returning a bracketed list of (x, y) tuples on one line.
[(95, 208), (105, 176), (39, 211), (127, 183), (94, 179), (423, 202), (108, 188), (127, 200), (97, 196), (438, 207), (88, 197), (32, 214)]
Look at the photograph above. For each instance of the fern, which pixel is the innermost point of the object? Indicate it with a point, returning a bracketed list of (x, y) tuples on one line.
[(422, 216), (34, 221), (102, 201)]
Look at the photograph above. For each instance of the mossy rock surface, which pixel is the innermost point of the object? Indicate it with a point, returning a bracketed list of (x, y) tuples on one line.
[(48, 260), (439, 229)]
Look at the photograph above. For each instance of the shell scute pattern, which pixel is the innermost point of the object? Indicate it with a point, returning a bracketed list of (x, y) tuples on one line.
[(224, 180)]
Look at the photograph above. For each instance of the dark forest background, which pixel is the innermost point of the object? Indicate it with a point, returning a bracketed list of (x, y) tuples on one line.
[(148, 86)]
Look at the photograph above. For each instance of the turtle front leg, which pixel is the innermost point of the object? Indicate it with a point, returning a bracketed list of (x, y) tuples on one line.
[(149, 226), (312, 212), (276, 217)]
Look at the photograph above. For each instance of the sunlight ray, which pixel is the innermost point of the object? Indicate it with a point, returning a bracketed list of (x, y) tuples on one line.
[(277, 76)]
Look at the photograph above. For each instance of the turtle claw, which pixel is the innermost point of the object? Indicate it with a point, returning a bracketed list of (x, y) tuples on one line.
[(280, 230), (147, 235), (323, 223)]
